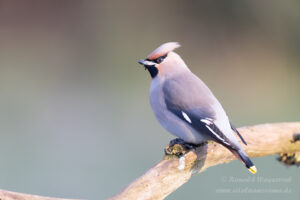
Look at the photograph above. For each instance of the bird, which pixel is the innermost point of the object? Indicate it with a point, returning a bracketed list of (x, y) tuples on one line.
[(186, 107)]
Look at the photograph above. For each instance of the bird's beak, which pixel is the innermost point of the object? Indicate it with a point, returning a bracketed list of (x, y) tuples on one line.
[(141, 62)]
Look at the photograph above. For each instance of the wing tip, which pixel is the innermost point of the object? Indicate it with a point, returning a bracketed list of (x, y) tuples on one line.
[(245, 143), (238, 133)]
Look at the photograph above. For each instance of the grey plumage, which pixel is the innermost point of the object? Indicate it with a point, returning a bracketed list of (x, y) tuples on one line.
[(196, 107), (186, 107), (182, 94)]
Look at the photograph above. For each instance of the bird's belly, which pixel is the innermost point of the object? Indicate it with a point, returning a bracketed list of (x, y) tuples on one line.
[(171, 122)]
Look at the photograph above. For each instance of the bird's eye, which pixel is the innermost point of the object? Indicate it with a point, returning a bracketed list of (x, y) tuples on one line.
[(160, 59)]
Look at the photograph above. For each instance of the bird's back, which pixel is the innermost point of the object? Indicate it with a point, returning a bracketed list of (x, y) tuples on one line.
[(184, 91)]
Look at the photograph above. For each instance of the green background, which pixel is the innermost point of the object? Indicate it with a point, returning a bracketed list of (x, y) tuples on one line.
[(75, 119)]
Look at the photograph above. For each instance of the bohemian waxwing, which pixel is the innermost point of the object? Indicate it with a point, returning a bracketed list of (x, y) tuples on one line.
[(185, 106)]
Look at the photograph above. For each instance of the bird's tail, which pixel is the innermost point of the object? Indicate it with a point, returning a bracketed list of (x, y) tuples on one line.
[(242, 156)]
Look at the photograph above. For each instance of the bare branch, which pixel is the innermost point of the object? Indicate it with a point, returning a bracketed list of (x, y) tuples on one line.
[(170, 173), (6, 195)]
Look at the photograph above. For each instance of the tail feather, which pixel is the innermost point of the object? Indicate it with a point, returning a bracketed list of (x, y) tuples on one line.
[(242, 156)]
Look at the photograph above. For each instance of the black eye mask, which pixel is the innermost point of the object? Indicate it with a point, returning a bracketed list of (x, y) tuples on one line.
[(159, 59)]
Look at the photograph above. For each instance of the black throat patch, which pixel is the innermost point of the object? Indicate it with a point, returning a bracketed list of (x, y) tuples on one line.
[(152, 70)]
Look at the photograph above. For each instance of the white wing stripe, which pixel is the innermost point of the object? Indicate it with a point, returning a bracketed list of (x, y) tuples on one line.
[(186, 117), (206, 121), (216, 135)]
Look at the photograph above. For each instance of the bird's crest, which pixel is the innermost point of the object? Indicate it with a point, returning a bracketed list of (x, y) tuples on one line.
[(163, 49)]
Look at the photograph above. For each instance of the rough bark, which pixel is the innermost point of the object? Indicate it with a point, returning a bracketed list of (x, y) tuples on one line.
[(172, 172), (7, 195)]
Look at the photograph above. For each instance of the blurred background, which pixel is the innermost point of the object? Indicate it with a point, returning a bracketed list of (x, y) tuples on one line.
[(75, 119)]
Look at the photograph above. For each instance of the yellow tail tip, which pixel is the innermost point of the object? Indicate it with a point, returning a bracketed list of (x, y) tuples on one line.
[(252, 169)]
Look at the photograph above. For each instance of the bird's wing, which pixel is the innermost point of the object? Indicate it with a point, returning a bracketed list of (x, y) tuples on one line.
[(190, 99), (204, 125), (238, 133)]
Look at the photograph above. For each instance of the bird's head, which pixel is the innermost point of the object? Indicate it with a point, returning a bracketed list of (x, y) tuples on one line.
[(163, 60)]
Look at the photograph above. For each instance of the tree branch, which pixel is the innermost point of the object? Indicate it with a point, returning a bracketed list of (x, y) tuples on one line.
[(170, 173), (6, 195)]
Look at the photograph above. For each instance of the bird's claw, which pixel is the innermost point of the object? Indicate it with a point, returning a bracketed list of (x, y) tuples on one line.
[(176, 141), (178, 147)]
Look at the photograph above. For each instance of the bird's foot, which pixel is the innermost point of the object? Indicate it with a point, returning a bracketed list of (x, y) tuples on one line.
[(178, 147)]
